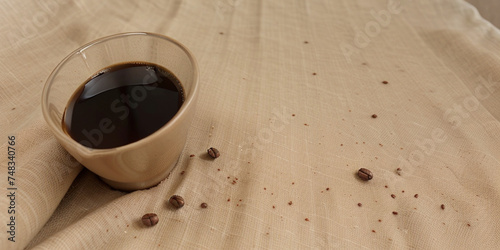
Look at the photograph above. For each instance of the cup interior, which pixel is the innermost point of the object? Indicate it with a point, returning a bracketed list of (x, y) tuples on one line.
[(87, 60)]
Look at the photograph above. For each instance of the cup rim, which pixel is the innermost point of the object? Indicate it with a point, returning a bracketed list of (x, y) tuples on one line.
[(188, 102)]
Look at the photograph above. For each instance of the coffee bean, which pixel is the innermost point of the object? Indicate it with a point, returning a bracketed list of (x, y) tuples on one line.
[(442, 206), (359, 204), (393, 196), (365, 174), (176, 201), (213, 152), (374, 116), (416, 196), (290, 203), (394, 212), (150, 219), (204, 205)]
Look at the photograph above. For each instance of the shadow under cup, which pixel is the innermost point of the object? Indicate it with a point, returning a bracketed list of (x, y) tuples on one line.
[(143, 163)]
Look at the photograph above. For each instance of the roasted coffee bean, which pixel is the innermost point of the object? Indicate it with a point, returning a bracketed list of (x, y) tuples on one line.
[(442, 206), (176, 201), (213, 152), (365, 174), (150, 219), (374, 116), (204, 205)]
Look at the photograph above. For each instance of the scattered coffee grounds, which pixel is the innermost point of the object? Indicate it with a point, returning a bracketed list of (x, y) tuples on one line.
[(182, 172), (402, 191), (341, 144), (228, 200), (307, 219), (385, 82), (394, 212), (176, 201), (379, 220), (398, 171), (218, 169), (468, 224), (442, 206), (314, 74), (386, 186), (373, 231), (290, 203), (305, 124), (293, 183), (274, 207), (222, 33), (191, 156), (204, 205), (359, 204), (327, 189), (265, 188), (293, 114), (374, 116), (365, 174), (393, 196), (416, 196), (150, 219), (306, 42), (213, 152)]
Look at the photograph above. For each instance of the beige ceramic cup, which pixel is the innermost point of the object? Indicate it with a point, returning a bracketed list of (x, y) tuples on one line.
[(143, 163)]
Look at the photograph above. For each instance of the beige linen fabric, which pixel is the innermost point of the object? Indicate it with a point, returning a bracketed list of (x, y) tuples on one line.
[(288, 89)]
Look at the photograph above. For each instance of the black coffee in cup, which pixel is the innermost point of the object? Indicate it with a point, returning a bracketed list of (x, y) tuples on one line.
[(122, 104)]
